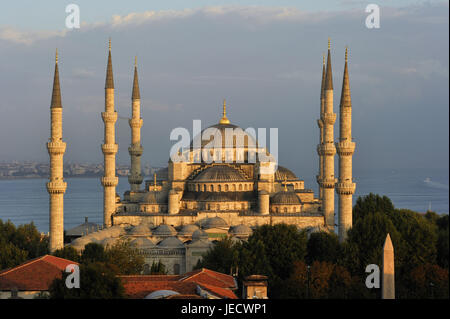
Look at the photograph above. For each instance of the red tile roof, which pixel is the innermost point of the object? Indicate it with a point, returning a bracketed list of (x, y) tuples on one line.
[(34, 275), (218, 284), (210, 277)]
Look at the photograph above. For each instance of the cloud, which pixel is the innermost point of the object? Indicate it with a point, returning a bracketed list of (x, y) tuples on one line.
[(28, 37)]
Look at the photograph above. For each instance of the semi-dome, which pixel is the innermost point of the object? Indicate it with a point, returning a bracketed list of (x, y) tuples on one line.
[(109, 241), (164, 230), (219, 173), (285, 198), (199, 234), (282, 173), (241, 230), (171, 242), (215, 222), (188, 230)]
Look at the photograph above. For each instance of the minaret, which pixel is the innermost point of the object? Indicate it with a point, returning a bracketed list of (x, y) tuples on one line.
[(320, 124), (56, 186), (135, 149), (345, 148), (109, 148), (327, 149)]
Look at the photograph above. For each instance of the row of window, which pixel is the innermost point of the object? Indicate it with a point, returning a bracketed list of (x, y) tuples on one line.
[(220, 187)]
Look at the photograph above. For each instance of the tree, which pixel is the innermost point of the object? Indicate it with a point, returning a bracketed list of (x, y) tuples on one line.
[(221, 257), (125, 258), (428, 281), (158, 268), (97, 281), (323, 246), (371, 204), (67, 252), (92, 253)]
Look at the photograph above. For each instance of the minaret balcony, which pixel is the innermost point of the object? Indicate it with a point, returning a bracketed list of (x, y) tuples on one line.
[(56, 187), (318, 178), (135, 150), (320, 123), (328, 182), (135, 123), (109, 117), (327, 149), (110, 181), (58, 147), (328, 118), (345, 148), (345, 188), (135, 179), (109, 149)]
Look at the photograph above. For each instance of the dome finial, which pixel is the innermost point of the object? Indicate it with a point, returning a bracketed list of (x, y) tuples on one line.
[(224, 119), (154, 181)]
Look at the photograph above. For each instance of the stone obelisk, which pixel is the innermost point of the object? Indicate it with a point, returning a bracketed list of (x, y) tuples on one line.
[(388, 284)]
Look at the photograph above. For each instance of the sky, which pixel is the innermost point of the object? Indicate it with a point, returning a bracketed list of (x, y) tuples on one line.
[(264, 57)]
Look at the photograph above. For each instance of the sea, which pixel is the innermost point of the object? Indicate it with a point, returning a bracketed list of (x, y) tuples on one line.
[(26, 200)]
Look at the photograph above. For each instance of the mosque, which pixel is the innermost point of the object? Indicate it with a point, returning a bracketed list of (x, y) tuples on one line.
[(205, 194)]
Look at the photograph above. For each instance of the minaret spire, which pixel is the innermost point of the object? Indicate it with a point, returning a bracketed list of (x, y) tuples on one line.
[(327, 149), (320, 124), (109, 148), (56, 186), (135, 150), (345, 149), (224, 119)]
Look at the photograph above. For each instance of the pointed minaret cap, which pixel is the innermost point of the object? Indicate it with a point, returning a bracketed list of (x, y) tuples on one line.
[(322, 87), (109, 83), (135, 95), (346, 100), (56, 93), (329, 75), (388, 244), (224, 119)]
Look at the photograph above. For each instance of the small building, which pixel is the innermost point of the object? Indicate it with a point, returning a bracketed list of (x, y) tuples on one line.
[(199, 284), (255, 287), (32, 278)]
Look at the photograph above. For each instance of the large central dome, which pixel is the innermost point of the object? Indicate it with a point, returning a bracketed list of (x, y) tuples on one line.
[(219, 173)]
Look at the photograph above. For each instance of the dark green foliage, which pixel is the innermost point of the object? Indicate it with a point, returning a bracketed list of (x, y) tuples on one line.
[(93, 252), (158, 268), (221, 258), (323, 246), (371, 204), (97, 281), (20, 244), (125, 258), (68, 252)]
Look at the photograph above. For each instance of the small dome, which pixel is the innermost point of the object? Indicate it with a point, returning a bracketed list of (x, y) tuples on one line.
[(171, 242), (283, 197), (199, 234), (241, 230), (161, 294), (215, 222), (188, 230), (140, 230), (283, 173), (219, 173), (164, 230), (80, 242), (142, 243)]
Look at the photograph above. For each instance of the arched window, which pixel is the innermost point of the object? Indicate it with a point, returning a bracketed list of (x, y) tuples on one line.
[(211, 188), (234, 187), (198, 187), (226, 188), (240, 187), (219, 188), (285, 210), (204, 188)]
